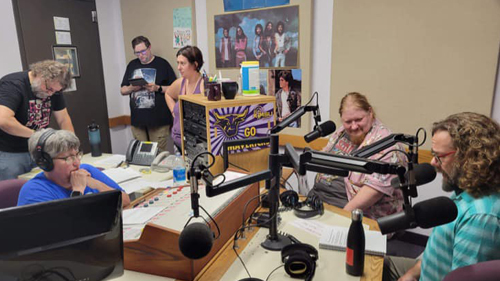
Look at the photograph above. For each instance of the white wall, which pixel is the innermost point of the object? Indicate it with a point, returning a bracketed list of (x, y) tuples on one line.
[(10, 55), (114, 65)]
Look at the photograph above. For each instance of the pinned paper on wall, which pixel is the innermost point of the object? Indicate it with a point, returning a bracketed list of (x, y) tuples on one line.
[(182, 27), (63, 38), (61, 23)]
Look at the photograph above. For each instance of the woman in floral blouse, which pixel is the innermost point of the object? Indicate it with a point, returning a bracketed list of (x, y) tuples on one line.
[(370, 192)]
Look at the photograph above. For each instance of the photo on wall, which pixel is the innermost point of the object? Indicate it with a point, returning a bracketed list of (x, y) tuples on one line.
[(269, 36), (286, 86)]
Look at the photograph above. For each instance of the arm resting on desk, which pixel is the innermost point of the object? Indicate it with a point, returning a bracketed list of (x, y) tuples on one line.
[(365, 198)]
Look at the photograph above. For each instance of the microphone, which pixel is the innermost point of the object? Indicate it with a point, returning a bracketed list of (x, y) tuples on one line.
[(292, 117), (322, 130), (196, 239), (424, 173), (425, 214)]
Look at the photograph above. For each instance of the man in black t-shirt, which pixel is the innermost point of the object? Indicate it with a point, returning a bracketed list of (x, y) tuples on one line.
[(150, 118), (27, 100)]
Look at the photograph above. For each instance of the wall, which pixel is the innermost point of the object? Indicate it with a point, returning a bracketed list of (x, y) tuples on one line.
[(10, 55), (415, 64)]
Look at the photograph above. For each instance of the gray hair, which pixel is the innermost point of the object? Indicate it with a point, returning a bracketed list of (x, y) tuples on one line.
[(59, 142), (52, 70)]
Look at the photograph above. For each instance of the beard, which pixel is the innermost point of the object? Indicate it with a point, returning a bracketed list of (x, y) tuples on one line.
[(450, 180), (36, 87), (357, 140)]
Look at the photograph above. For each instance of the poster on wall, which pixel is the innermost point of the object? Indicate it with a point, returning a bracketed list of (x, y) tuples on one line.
[(67, 55), (270, 36), (235, 5), (240, 122), (286, 86), (182, 32)]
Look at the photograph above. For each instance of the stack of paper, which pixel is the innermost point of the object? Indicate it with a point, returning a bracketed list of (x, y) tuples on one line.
[(120, 175), (335, 238)]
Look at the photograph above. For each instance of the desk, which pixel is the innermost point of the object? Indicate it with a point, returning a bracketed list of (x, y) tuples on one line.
[(225, 265)]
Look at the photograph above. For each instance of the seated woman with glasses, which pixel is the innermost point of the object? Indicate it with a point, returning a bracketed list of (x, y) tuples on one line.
[(372, 193), (57, 153)]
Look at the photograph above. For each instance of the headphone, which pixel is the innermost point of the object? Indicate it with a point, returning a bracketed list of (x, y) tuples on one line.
[(290, 199), (42, 158), (299, 260)]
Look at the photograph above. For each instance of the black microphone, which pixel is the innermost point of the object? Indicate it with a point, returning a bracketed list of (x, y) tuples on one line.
[(292, 117), (425, 214), (322, 130), (196, 239), (424, 173)]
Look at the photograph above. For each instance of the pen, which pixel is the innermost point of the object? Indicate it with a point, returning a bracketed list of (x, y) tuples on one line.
[(119, 164)]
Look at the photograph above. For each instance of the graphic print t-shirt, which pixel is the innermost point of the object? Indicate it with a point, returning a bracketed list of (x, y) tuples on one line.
[(143, 98), (30, 111), (149, 108)]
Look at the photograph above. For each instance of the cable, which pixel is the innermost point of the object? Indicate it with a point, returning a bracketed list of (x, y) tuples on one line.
[(274, 270)]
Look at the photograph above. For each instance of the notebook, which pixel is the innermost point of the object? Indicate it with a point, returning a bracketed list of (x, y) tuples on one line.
[(335, 238)]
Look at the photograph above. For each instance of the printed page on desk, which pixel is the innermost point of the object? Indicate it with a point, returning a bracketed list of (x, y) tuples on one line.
[(120, 175), (335, 238)]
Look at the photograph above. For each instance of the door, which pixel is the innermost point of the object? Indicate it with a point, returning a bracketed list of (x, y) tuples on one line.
[(36, 32)]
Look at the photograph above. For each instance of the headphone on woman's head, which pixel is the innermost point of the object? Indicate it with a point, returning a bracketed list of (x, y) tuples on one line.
[(42, 158)]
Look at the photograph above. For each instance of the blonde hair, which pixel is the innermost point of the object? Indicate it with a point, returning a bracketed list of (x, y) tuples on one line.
[(358, 100)]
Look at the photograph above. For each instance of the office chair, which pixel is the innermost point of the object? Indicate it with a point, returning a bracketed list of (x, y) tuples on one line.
[(484, 271), (9, 191)]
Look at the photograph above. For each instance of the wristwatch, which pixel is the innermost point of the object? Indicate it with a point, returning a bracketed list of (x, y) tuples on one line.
[(160, 89), (75, 193)]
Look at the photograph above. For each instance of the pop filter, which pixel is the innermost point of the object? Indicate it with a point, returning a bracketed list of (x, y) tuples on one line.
[(196, 240)]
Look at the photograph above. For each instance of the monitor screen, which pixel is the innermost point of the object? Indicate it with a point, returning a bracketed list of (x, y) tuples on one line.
[(78, 238)]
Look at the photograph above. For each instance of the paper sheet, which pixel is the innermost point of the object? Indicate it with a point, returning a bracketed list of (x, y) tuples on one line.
[(120, 175), (140, 215), (111, 161)]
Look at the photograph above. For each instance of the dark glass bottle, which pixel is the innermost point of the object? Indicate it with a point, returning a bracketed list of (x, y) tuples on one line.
[(355, 250), (95, 139)]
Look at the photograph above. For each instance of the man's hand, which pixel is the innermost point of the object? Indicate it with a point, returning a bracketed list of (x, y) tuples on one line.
[(127, 90), (151, 87), (78, 180)]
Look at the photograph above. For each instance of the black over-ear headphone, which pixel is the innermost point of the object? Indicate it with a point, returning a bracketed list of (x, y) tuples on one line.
[(42, 158), (300, 260), (290, 199)]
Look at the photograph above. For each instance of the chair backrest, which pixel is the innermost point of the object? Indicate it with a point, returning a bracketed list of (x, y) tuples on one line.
[(9, 191), (484, 271)]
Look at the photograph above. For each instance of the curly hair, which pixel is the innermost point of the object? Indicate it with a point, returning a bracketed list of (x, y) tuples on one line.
[(52, 70), (476, 139)]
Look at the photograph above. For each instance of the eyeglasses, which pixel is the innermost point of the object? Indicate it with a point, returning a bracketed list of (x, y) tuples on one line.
[(143, 52), (50, 89), (441, 156), (72, 158)]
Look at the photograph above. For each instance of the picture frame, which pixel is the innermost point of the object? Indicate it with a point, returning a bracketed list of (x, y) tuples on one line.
[(67, 55)]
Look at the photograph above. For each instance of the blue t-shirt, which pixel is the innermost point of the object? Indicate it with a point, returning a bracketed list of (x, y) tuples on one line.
[(40, 189)]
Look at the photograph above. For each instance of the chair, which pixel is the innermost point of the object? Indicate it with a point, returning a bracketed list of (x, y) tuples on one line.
[(9, 191), (484, 271)]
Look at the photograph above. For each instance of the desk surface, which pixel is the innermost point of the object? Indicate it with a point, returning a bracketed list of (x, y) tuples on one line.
[(88, 159), (225, 265)]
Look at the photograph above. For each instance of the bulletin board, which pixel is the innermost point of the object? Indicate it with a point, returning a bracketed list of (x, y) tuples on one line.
[(416, 61)]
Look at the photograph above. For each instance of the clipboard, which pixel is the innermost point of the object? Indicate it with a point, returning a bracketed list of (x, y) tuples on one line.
[(137, 81)]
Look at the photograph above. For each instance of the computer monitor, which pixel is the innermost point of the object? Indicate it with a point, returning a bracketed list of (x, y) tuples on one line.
[(78, 238)]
